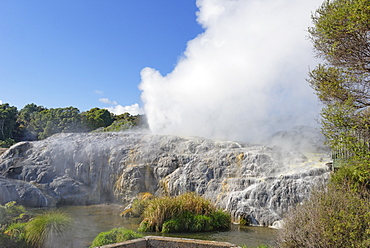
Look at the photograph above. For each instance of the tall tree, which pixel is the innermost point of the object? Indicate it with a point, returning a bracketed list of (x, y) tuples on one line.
[(341, 37), (8, 117)]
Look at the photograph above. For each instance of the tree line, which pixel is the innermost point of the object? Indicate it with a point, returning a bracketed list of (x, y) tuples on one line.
[(35, 122)]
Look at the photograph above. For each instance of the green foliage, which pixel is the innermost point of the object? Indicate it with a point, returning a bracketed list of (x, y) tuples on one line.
[(24, 130), (8, 117), (138, 207), (124, 122), (220, 220), (7, 143), (115, 235), (45, 226), (10, 229), (356, 175), (340, 33), (17, 231), (185, 213), (7, 241), (188, 222), (60, 120), (37, 122), (342, 83), (96, 118), (10, 212), (334, 216)]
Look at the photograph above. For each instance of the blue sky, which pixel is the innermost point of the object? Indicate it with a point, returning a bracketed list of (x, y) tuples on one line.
[(88, 53)]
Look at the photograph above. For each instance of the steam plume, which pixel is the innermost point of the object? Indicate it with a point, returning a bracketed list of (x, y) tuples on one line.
[(243, 78)]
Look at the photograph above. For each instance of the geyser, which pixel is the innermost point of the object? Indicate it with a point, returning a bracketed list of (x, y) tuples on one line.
[(243, 78)]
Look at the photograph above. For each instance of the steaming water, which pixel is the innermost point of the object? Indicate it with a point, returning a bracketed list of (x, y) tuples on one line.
[(91, 220)]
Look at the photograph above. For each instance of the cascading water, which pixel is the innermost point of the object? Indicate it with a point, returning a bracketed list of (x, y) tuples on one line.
[(253, 182)]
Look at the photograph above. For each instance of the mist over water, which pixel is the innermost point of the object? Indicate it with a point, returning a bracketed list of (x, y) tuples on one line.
[(243, 78)]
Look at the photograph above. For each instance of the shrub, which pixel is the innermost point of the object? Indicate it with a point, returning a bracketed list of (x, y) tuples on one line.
[(16, 231), (187, 212), (334, 216), (9, 212), (355, 174), (115, 235)]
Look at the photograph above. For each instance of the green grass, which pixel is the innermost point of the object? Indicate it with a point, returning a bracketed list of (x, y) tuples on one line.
[(185, 213), (116, 235), (44, 226)]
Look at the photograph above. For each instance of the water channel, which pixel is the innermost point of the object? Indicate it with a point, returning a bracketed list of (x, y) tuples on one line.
[(91, 220)]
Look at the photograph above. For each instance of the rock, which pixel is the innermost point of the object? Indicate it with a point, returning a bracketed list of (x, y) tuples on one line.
[(253, 182), (22, 192)]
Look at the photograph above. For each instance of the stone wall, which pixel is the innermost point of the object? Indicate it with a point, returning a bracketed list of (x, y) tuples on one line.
[(166, 242)]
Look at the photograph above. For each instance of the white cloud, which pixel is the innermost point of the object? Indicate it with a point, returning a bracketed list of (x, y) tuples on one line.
[(1, 102), (241, 79), (107, 101), (134, 109), (99, 92)]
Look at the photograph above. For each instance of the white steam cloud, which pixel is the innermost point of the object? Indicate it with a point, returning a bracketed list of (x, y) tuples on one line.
[(243, 78), (133, 109)]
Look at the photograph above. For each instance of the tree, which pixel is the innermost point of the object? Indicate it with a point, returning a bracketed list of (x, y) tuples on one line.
[(59, 120), (25, 117), (341, 37), (95, 118), (8, 117)]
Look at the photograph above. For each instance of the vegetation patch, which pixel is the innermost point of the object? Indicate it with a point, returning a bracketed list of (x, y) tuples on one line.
[(185, 213), (17, 229), (116, 235), (334, 216)]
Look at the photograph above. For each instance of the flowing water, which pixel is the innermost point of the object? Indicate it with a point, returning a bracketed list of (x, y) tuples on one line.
[(91, 220)]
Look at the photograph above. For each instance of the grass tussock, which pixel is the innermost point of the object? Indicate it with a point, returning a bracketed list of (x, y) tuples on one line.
[(188, 212), (45, 226), (116, 235)]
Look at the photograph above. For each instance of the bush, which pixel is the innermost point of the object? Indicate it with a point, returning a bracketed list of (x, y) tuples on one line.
[(10, 212), (16, 231), (334, 216), (355, 174), (188, 212), (115, 235)]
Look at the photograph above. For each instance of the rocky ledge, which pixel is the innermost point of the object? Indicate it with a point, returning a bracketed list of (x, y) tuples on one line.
[(253, 182)]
